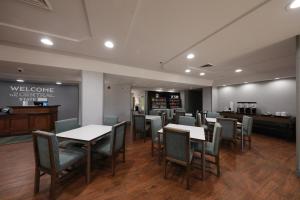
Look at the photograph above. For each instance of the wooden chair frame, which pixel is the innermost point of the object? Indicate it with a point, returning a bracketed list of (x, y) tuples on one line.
[(53, 172), (168, 159)]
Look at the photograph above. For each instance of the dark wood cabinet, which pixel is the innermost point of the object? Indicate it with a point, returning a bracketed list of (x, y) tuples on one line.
[(25, 119)]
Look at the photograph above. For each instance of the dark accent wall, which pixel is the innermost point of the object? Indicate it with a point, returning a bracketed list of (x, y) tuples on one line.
[(13, 94), (193, 100)]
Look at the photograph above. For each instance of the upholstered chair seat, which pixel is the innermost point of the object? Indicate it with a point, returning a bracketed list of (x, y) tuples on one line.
[(68, 157), (187, 120)]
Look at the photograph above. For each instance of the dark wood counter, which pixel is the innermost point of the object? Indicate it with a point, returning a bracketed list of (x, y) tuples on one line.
[(269, 124), (25, 119)]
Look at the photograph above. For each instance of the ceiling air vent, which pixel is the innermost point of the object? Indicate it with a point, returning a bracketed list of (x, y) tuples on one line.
[(44, 4), (206, 65)]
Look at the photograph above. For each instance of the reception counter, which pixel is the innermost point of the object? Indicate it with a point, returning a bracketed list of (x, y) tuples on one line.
[(25, 119)]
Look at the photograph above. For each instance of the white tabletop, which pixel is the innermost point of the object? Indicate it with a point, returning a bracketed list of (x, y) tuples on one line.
[(196, 133), (189, 114), (211, 120), (149, 117), (86, 133)]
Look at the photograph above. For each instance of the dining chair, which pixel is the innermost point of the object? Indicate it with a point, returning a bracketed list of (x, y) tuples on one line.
[(110, 120), (228, 129), (164, 118), (246, 130), (113, 146), (178, 113), (212, 115), (212, 149), (157, 139), (186, 120), (52, 160), (139, 126), (177, 149), (66, 125)]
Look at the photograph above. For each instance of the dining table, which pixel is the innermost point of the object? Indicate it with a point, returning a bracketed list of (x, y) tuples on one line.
[(197, 135), (87, 135)]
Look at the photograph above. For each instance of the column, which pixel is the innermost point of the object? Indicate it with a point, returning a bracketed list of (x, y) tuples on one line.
[(91, 98), (298, 104)]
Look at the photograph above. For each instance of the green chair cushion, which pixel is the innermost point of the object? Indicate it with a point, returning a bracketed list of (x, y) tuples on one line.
[(68, 157), (103, 147)]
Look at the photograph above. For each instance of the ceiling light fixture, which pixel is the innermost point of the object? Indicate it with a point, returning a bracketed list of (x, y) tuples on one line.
[(224, 85), (202, 74), (47, 41), (245, 82), (276, 78), (159, 90), (171, 90), (190, 56), (294, 4), (109, 44), (238, 70), (58, 83), (188, 70), (20, 80)]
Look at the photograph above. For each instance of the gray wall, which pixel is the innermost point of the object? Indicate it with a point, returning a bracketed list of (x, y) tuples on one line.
[(12, 94), (271, 96), (207, 99), (117, 101)]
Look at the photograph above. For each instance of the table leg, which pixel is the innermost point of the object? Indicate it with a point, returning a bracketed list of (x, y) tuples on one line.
[(242, 139), (88, 164), (203, 159)]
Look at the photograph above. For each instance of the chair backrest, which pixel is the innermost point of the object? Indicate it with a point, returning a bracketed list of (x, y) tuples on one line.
[(186, 120), (110, 120), (153, 112), (118, 137), (164, 118), (213, 114), (177, 145), (216, 140), (178, 113), (228, 128), (198, 119), (139, 122), (66, 125), (247, 125), (156, 124), (46, 151)]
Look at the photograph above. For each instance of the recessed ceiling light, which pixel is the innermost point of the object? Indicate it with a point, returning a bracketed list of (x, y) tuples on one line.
[(294, 4), (190, 56), (276, 78), (188, 70), (202, 74), (58, 83), (171, 90), (109, 44), (159, 90), (238, 70), (47, 41), (245, 82), (20, 80), (224, 85)]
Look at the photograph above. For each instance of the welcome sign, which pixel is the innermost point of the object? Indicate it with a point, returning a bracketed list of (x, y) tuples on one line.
[(30, 93)]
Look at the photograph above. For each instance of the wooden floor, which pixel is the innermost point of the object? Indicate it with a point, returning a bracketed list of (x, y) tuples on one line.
[(265, 172)]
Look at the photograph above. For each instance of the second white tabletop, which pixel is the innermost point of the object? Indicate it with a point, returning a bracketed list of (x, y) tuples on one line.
[(86, 133), (196, 133)]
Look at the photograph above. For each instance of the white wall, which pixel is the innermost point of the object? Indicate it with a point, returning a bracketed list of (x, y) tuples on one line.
[(91, 101), (214, 96), (117, 101), (207, 99), (271, 96)]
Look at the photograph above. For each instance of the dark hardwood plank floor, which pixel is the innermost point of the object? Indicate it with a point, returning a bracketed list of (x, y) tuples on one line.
[(267, 171)]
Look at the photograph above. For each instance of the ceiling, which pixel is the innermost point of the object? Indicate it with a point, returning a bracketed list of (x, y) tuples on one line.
[(256, 36)]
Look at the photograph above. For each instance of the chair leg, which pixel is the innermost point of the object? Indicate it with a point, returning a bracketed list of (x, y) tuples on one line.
[(249, 139), (165, 166), (113, 163), (188, 177), (218, 165), (53, 187), (37, 180), (152, 148), (124, 155)]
